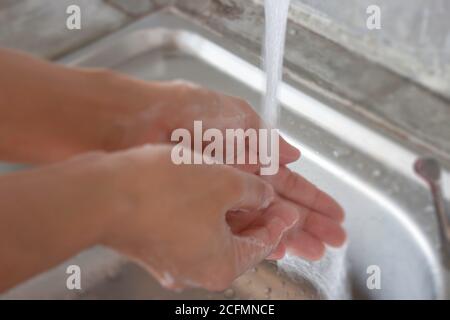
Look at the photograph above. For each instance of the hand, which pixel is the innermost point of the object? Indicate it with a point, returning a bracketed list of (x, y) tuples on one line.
[(172, 219), (321, 216), (319, 223), (181, 103), (172, 105), (106, 111)]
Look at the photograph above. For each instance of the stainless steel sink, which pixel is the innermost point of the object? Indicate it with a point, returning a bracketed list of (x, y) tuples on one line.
[(390, 218)]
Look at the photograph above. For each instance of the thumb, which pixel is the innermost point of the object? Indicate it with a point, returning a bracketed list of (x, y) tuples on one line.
[(254, 193), (254, 244)]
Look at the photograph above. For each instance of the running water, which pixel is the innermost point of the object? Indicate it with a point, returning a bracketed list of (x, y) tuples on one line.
[(276, 12), (328, 275)]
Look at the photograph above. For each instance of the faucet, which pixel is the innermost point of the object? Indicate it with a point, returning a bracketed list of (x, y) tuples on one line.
[(430, 170)]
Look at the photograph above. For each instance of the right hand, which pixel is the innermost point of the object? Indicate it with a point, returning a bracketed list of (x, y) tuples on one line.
[(172, 219)]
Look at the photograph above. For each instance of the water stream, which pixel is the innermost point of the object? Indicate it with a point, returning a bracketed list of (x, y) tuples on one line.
[(329, 275), (276, 13)]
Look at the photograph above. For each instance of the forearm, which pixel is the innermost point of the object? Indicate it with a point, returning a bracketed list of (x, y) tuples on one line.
[(49, 112), (47, 215)]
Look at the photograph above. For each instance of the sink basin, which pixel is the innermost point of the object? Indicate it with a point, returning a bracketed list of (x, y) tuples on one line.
[(390, 219)]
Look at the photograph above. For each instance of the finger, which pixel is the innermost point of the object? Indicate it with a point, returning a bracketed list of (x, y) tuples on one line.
[(303, 244), (258, 241), (240, 220), (250, 168), (319, 229), (320, 226), (251, 193), (325, 229), (294, 187), (288, 153), (278, 253)]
